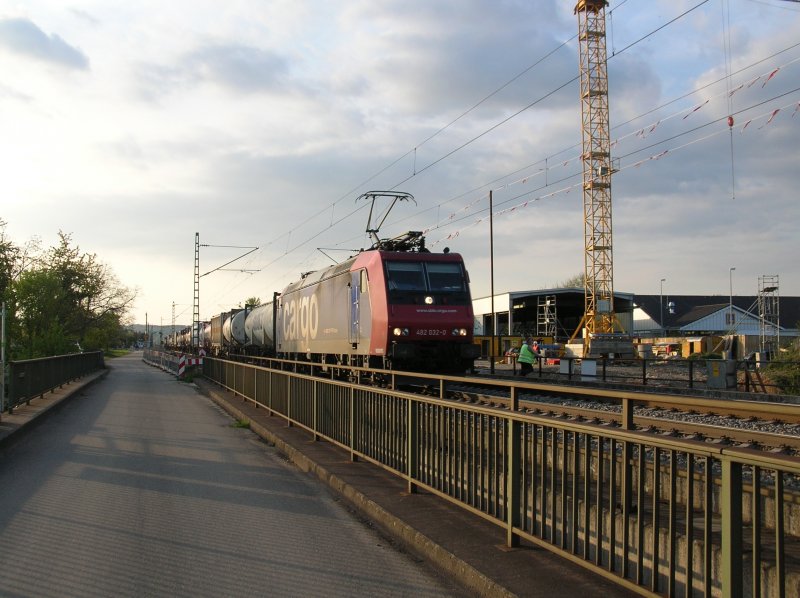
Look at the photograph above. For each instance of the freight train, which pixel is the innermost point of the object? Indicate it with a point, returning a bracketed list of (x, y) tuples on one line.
[(396, 306)]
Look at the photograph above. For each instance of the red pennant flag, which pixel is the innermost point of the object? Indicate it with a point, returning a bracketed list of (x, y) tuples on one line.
[(771, 75), (773, 115)]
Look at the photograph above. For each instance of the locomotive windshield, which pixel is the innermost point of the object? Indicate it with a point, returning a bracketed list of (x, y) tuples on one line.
[(406, 276), (445, 276), (408, 280)]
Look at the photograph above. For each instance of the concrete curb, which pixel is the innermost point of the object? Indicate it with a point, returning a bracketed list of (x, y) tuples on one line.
[(409, 537)]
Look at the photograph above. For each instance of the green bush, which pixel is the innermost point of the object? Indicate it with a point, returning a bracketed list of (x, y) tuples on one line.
[(784, 372)]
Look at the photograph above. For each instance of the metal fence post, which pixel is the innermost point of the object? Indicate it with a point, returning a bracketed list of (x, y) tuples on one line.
[(353, 456), (731, 513), (315, 409), (513, 477), (412, 452)]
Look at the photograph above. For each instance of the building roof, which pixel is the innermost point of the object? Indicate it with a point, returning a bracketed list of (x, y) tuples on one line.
[(690, 308), (558, 291)]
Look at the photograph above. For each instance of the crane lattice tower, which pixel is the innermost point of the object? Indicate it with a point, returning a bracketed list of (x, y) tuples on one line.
[(599, 316)]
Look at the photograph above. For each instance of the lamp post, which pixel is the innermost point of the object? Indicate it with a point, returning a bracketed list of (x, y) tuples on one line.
[(661, 305), (730, 303)]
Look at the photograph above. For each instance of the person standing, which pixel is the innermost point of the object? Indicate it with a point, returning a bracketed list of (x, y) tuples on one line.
[(526, 358)]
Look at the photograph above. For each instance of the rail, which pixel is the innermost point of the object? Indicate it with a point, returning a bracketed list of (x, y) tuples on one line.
[(30, 378), (655, 514)]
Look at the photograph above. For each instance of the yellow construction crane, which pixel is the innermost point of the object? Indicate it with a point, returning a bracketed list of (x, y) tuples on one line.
[(600, 327)]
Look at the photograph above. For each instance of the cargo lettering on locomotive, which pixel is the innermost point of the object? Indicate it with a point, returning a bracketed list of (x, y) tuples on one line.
[(301, 318)]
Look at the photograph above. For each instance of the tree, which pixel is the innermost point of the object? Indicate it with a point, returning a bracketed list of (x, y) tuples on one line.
[(39, 298), (9, 258), (578, 280), (66, 300), (91, 291), (252, 301)]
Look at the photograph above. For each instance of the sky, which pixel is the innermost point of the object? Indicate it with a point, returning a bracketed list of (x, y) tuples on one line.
[(258, 123)]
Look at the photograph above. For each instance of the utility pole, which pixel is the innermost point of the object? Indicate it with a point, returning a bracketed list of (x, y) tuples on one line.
[(731, 321), (491, 281), (196, 311), (2, 359), (661, 306), (197, 277)]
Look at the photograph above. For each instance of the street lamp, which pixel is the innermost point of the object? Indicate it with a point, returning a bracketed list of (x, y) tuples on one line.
[(661, 305), (730, 304)]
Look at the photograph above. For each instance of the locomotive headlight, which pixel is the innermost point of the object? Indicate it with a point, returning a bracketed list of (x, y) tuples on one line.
[(459, 332), (400, 331), (428, 300)]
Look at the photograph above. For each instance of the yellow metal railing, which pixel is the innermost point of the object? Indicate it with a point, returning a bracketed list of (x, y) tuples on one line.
[(656, 514)]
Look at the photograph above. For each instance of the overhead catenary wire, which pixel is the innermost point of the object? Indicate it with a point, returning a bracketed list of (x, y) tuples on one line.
[(639, 132), (291, 248), (768, 115)]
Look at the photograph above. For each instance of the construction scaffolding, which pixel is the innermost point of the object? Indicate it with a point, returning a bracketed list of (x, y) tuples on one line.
[(546, 316), (769, 313)]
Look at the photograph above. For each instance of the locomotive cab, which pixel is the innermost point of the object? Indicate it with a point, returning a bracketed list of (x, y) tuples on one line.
[(430, 315)]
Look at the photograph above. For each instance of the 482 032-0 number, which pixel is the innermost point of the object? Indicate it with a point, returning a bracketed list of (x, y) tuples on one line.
[(431, 332)]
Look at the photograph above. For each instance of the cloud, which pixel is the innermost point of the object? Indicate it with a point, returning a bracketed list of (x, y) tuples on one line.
[(24, 37), (239, 67), (235, 67), (8, 92), (417, 58)]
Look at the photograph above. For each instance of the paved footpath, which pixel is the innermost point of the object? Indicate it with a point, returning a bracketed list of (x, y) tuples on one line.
[(451, 539), (137, 485)]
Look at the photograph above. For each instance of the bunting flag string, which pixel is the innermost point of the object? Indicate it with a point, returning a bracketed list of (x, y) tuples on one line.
[(753, 82), (733, 91), (643, 132), (509, 210), (696, 109)]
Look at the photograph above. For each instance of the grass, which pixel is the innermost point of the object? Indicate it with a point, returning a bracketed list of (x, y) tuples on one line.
[(241, 423), (115, 352)]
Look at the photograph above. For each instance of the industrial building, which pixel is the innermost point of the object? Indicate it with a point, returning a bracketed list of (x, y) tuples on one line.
[(549, 314), (554, 315)]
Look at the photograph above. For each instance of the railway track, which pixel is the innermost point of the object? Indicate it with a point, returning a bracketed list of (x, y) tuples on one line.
[(762, 425), (754, 424)]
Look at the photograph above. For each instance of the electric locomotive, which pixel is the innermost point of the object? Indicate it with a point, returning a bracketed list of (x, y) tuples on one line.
[(399, 309)]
